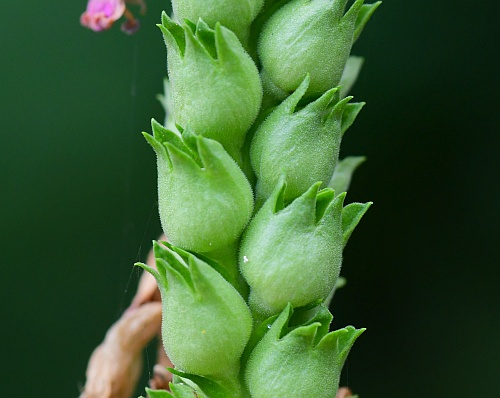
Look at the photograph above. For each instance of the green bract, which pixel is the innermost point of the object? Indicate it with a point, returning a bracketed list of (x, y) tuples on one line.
[(294, 253), (301, 144), (310, 36), (204, 199), (216, 87), (206, 323), (236, 15), (301, 362)]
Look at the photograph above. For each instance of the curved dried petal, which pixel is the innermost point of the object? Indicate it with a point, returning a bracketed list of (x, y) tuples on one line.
[(147, 290)]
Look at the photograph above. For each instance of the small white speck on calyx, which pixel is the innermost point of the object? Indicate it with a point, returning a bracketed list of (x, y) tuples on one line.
[(245, 259)]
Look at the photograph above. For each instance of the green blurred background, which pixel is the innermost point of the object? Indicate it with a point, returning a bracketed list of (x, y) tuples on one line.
[(78, 196)]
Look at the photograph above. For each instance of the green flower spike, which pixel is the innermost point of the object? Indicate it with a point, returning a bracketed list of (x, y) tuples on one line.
[(301, 144), (204, 199), (294, 253), (310, 36), (236, 15), (299, 361), (216, 87), (205, 322)]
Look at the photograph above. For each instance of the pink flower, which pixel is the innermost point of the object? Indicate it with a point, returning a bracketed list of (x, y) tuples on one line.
[(101, 14)]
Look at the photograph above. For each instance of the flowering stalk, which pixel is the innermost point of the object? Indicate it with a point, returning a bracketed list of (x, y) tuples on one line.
[(252, 194)]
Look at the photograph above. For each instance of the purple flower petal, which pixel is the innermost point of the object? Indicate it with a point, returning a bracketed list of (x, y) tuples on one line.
[(101, 14)]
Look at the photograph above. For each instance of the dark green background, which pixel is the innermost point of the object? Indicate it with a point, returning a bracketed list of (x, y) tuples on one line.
[(78, 193)]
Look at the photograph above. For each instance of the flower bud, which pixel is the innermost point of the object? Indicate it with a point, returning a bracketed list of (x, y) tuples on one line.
[(294, 253), (313, 36), (204, 199), (302, 361), (236, 15), (216, 87), (301, 144), (205, 322)]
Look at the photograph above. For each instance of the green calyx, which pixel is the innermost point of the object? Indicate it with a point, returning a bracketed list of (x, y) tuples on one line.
[(204, 199), (236, 15), (302, 144), (205, 321), (215, 85), (299, 361), (310, 36), (296, 247)]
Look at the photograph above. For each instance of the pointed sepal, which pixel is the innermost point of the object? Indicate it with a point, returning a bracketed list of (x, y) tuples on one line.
[(364, 16), (349, 115), (340, 342), (209, 388), (341, 179), (350, 75), (351, 216)]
